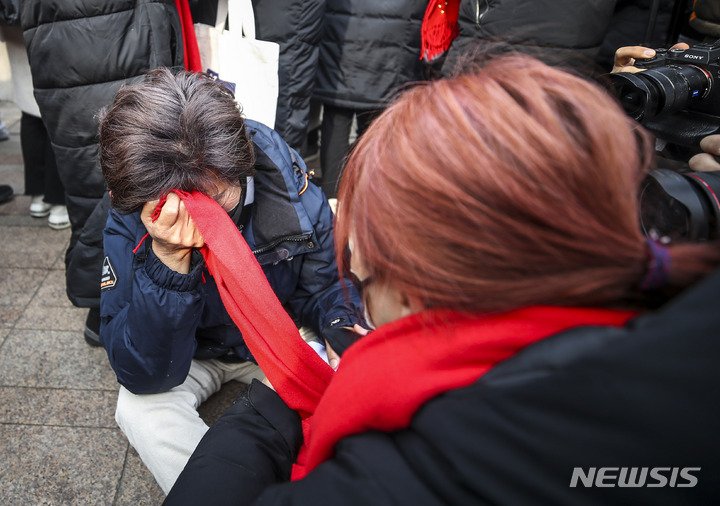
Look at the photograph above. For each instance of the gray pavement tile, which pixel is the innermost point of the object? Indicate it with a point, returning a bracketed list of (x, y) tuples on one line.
[(11, 116), (12, 122), (3, 334), (12, 163), (18, 207), (41, 317), (52, 292), (60, 465), (18, 219), (11, 172), (18, 286), (52, 359), (137, 486), (59, 264), (9, 315), (15, 213), (52, 406), (32, 247)]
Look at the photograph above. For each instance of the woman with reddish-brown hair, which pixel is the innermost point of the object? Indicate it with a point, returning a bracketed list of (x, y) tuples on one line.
[(531, 344)]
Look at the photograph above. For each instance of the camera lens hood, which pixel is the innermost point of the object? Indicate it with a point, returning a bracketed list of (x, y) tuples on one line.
[(681, 205)]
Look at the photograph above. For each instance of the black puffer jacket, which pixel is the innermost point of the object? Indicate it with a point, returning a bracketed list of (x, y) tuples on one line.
[(629, 25), (369, 49), (600, 403), (9, 12), (296, 26), (564, 32), (81, 52)]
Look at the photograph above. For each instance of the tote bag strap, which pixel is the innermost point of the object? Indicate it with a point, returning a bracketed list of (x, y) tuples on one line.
[(241, 16), (222, 14)]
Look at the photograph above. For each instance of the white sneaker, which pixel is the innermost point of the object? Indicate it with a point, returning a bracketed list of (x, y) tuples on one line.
[(38, 208), (58, 218)]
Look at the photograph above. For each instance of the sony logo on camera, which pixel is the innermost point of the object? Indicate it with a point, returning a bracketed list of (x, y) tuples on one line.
[(635, 477), (706, 54)]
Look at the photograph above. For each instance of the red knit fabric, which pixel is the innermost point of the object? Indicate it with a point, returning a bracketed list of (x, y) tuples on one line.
[(298, 374), (386, 376), (191, 52), (439, 28)]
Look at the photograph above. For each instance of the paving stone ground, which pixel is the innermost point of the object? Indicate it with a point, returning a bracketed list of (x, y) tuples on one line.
[(59, 444)]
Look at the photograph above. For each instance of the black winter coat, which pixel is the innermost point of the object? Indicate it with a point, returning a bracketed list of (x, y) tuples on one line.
[(296, 26), (81, 52), (629, 25), (564, 32), (10, 12), (369, 49), (594, 402)]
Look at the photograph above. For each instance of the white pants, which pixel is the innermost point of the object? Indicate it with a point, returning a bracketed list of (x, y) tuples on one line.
[(165, 428)]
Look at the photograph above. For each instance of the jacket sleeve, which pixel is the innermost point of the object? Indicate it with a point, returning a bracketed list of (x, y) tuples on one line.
[(251, 446), (321, 298), (247, 455), (150, 314)]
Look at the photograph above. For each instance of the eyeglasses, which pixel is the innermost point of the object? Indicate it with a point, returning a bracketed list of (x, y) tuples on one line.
[(229, 198), (360, 285)]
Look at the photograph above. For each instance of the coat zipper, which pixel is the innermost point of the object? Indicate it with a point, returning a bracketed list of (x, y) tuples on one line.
[(479, 15), (294, 238)]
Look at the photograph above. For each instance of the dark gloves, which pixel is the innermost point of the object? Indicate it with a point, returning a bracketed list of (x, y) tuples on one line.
[(340, 335)]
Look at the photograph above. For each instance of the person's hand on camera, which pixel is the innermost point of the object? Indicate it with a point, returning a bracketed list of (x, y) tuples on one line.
[(626, 56), (709, 160), (174, 233)]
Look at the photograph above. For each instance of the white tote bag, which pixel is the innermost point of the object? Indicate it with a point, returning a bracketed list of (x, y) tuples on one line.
[(244, 64)]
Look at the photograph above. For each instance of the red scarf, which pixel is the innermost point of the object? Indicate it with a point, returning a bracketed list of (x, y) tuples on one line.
[(384, 377), (387, 375), (439, 28), (298, 374), (191, 52)]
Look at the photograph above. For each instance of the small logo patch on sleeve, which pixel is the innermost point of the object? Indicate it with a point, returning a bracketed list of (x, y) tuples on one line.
[(108, 280)]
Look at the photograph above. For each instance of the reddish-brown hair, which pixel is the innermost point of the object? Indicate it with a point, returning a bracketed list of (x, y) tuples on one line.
[(509, 186)]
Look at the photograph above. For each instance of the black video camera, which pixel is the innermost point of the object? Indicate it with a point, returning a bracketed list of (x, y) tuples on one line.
[(677, 98)]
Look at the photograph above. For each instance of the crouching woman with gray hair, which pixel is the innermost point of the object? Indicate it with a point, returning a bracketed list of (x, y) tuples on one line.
[(168, 335)]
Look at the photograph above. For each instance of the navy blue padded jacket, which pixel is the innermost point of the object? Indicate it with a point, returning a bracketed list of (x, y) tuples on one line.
[(156, 320)]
